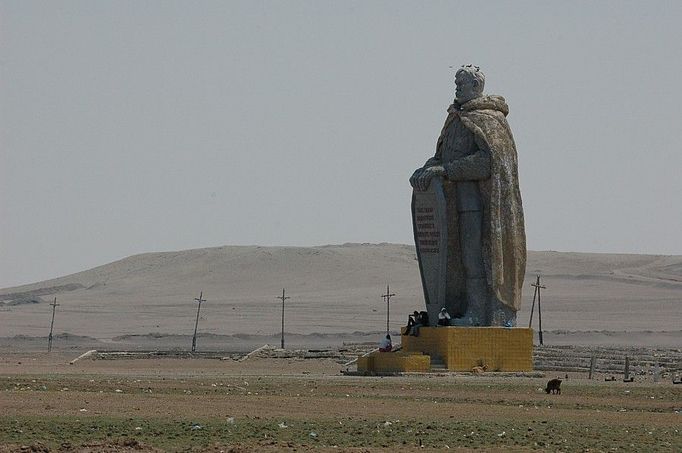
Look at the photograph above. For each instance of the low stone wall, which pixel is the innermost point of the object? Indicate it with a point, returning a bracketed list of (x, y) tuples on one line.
[(389, 362), (608, 359)]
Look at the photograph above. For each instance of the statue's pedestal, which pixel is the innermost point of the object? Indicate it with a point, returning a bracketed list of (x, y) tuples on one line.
[(456, 349), (462, 348)]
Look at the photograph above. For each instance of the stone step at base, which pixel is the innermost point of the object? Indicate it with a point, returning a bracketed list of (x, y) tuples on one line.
[(437, 363)]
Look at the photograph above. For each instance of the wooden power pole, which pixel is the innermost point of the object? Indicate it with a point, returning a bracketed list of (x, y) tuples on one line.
[(388, 296), (537, 287), (283, 297), (196, 323), (49, 338)]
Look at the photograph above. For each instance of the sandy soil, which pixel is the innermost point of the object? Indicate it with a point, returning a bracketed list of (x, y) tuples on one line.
[(275, 404)]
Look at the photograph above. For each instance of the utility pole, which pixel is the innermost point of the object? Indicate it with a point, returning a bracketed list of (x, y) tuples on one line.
[(283, 298), (537, 287), (387, 296), (49, 338), (196, 323)]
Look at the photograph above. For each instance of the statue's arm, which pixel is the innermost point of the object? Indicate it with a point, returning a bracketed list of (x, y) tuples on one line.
[(473, 167), (421, 177), (433, 161), (436, 159)]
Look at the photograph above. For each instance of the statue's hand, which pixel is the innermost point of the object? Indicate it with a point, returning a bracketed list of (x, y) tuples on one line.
[(424, 179), (415, 177)]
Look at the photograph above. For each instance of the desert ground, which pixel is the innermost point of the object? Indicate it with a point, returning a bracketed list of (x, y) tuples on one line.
[(302, 404)]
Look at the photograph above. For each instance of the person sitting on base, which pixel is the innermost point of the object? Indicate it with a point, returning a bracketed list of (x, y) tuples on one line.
[(385, 344), (421, 319), (443, 317), (411, 321)]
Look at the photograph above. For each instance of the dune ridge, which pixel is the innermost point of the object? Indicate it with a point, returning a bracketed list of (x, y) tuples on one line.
[(333, 289)]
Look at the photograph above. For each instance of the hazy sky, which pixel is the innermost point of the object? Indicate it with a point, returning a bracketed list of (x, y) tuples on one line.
[(131, 127)]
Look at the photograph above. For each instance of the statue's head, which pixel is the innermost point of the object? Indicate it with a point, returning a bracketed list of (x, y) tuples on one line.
[(470, 81)]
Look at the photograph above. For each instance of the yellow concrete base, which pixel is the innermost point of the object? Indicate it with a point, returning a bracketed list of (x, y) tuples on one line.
[(462, 348), (387, 362)]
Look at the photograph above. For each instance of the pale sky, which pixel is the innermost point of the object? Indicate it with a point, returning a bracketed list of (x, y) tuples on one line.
[(130, 127)]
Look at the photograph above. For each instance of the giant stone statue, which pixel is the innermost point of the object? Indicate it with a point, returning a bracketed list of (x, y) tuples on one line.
[(467, 213)]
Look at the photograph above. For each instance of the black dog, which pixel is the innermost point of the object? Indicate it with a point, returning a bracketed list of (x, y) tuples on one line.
[(554, 386)]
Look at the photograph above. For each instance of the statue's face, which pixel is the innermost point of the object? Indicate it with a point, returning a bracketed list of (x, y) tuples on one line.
[(467, 88)]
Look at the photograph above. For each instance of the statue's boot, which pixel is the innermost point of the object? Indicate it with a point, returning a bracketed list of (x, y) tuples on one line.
[(477, 297), (501, 315)]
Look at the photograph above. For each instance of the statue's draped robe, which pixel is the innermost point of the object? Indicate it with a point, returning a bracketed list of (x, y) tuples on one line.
[(503, 234)]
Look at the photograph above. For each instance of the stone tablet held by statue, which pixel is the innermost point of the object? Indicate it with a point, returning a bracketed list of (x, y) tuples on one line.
[(429, 222), (467, 213)]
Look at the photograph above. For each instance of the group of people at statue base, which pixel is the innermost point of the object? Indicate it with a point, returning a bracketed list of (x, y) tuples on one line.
[(421, 318), (414, 322)]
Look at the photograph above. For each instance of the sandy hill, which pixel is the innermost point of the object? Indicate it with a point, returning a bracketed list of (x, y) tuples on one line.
[(333, 288)]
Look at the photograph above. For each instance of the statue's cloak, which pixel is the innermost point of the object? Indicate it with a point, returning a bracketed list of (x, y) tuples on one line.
[(503, 235)]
